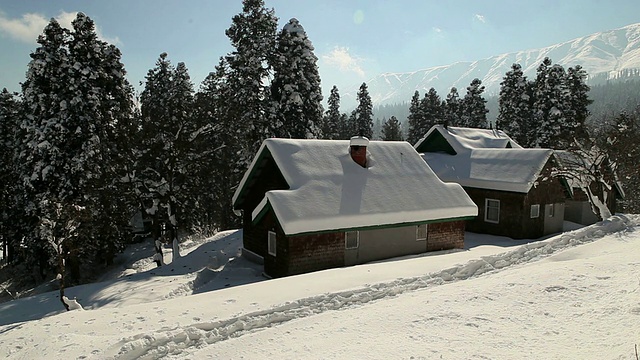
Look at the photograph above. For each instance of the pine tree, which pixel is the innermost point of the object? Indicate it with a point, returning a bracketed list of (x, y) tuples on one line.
[(295, 89), (578, 102), (253, 35), (169, 158), (46, 170), (392, 130), (364, 113), (220, 147), (102, 105), (452, 108), (78, 110), (331, 120), (432, 111), (9, 188), (550, 106), (346, 126), (474, 110), (415, 120), (621, 139), (514, 112)]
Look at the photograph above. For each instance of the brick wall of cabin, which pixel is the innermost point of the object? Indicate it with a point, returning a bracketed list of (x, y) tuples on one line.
[(444, 236), (309, 253)]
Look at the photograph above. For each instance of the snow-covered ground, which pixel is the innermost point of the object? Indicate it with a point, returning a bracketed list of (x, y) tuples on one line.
[(572, 296)]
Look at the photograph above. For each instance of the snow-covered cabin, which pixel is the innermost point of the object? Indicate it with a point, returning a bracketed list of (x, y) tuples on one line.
[(454, 140), (315, 204), (512, 187)]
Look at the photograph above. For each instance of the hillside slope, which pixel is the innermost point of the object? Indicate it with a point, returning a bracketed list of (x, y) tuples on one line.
[(574, 295), (603, 55)]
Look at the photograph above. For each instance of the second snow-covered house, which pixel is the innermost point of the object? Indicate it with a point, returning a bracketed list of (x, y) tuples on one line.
[(514, 189), (316, 204)]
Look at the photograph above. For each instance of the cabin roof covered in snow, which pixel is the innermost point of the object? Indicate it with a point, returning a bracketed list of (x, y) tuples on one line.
[(461, 139), (328, 191), (515, 170)]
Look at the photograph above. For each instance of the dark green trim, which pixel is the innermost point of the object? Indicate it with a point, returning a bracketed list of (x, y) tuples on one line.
[(436, 142), (262, 213), (256, 166), (388, 226), (568, 191)]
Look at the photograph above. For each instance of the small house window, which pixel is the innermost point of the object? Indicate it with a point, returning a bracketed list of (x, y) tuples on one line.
[(552, 210), (272, 243), (492, 210), (535, 211), (351, 239), (421, 232)]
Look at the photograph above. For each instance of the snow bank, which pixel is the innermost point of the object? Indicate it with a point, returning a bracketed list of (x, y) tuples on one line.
[(174, 341)]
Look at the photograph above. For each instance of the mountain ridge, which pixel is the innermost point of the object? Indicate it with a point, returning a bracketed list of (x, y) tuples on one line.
[(603, 55)]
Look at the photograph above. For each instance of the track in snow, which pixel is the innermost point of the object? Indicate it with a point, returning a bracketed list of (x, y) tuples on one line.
[(168, 343)]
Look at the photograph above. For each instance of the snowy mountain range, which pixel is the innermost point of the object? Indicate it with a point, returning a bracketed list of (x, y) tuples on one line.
[(603, 55)]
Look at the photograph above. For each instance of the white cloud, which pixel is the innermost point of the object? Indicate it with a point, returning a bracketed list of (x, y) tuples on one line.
[(30, 25), (27, 28), (437, 29), (341, 58), (480, 18)]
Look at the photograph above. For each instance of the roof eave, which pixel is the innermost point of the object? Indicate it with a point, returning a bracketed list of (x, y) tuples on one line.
[(376, 227)]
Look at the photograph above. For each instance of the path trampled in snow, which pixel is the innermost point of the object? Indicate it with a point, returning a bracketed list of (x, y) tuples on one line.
[(174, 341)]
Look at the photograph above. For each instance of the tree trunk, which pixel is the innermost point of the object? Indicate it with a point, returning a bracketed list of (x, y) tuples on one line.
[(61, 275)]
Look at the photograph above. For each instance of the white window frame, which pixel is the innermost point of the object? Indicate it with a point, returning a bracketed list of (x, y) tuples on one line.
[(421, 236), (535, 211), (486, 211), (346, 239), (552, 210), (271, 243)]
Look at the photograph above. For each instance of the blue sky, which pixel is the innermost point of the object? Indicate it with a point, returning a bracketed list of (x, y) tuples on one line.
[(354, 40)]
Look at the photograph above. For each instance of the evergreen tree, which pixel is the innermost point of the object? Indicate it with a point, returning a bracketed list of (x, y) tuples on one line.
[(332, 117), (621, 139), (47, 168), (78, 110), (452, 115), (346, 126), (364, 113), (392, 130), (221, 146), (432, 111), (578, 102), (514, 112), (295, 88), (474, 110), (9, 189), (253, 35), (168, 162), (103, 107), (415, 120), (550, 106)]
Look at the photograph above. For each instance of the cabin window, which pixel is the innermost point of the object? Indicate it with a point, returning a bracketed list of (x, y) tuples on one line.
[(552, 210), (535, 211), (421, 232), (492, 210), (272, 243), (351, 239)]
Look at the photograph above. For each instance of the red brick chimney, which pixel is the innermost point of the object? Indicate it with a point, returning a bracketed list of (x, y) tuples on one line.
[(358, 150)]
